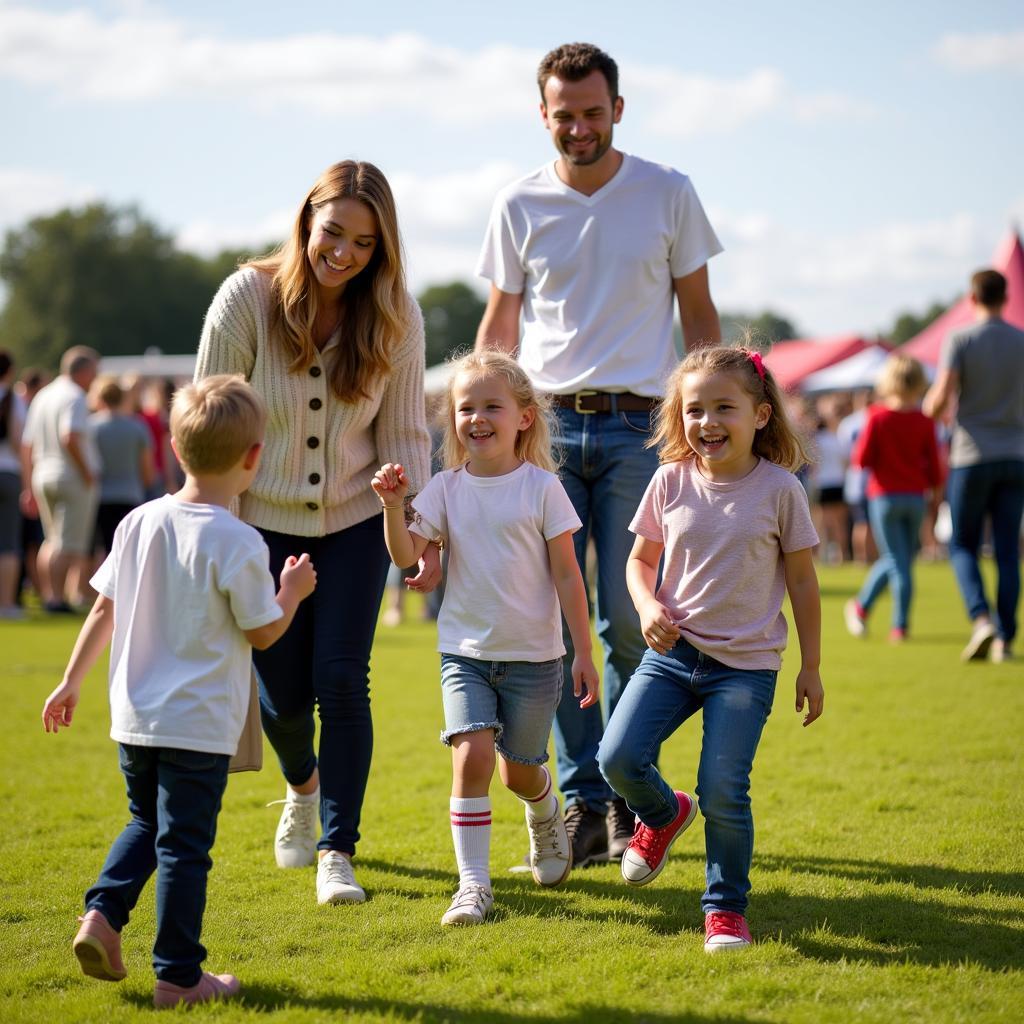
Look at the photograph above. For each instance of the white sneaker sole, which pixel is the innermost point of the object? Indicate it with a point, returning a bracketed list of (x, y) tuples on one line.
[(652, 875)]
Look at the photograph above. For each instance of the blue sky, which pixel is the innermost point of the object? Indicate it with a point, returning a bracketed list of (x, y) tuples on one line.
[(857, 160)]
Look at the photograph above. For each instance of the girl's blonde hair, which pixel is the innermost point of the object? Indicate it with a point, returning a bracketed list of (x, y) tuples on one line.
[(901, 377), (777, 441), (532, 444), (376, 305)]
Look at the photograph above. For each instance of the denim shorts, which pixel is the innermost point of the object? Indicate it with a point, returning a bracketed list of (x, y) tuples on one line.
[(517, 699)]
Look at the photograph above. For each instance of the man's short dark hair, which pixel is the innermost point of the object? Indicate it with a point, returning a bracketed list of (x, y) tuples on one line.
[(572, 62), (988, 288)]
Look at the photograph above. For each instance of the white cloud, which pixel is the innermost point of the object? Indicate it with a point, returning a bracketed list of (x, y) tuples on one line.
[(25, 193), (141, 56), (981, 51)]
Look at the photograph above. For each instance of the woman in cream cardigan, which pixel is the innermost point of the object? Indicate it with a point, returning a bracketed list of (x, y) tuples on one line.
[(325, 329)]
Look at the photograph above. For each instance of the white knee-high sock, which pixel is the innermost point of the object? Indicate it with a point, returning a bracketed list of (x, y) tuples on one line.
[(471, 833), (545, 804)]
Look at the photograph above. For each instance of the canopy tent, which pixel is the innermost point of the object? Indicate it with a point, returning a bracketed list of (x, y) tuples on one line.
[(852, 374), (792, 361), (1009, 261)]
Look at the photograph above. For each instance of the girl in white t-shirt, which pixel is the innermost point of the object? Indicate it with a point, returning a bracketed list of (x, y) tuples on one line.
[(731, 522), (507, 524)]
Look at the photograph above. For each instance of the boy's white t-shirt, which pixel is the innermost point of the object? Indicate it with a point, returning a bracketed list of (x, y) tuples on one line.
[(186, 580), (499, 601)]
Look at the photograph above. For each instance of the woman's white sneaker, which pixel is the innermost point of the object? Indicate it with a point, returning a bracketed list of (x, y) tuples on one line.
[(297, 833), (472, 904), (335, 882), (550, 852)]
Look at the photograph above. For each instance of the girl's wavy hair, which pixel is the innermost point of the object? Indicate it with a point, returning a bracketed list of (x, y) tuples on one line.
[(376, 309), (777, 441), (534, 443)]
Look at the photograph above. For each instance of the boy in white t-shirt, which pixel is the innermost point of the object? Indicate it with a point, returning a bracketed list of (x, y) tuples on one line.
[(185, 594)]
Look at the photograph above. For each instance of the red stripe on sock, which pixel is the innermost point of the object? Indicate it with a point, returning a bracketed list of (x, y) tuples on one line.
[(469, 824), (470, 814), (542, 795)]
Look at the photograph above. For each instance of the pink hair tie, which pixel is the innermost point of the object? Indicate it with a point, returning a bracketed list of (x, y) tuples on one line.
[(755, 358)]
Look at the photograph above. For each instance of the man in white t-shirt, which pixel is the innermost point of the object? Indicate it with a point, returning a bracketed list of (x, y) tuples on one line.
[(591, 252), (62, 464)]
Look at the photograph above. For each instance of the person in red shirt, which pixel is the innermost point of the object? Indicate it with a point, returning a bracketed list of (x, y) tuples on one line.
[(899, 450)]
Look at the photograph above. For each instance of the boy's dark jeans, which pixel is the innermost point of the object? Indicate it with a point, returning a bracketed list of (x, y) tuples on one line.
[(174, 797)]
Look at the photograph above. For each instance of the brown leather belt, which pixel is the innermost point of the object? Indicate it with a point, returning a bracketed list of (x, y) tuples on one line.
[(586, 402)]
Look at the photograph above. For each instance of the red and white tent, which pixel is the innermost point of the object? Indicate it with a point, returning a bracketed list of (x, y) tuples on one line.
[(792, 361), (1009, 261)]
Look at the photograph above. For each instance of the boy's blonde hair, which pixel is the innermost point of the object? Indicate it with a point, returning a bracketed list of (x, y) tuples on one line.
[(901, 377), (532, 444), (777, 441), (215, 421)]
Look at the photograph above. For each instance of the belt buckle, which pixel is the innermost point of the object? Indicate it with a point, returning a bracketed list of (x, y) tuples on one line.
[(576, 402)]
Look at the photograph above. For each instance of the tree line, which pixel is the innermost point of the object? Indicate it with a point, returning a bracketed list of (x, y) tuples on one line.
[(108, 277)]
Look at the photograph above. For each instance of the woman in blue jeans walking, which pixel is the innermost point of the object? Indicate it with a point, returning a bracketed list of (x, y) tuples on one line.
[(899, 450), (732, 523)]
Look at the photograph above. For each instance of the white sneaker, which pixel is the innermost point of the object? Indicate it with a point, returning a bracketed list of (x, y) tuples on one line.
[(297, 833), (981, 640), (855, 623), (335, 882), (472, 904), (550, 852)]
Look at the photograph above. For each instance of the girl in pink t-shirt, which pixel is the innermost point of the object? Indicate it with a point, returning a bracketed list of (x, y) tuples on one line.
[(731, 521)]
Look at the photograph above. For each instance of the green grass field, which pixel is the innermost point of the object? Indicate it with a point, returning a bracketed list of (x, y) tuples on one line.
[(888, 872)]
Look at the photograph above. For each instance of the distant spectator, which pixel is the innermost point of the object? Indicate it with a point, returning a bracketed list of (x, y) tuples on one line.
[(126, 457), (899, 450), (982, 367), (155, 411), (12, 419), (862, 544), (59, 458), (30, 383), (828, 476)]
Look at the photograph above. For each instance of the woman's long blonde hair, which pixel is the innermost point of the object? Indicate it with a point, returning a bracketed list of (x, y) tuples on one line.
[(532, 444), (777, 441), (376, 306)]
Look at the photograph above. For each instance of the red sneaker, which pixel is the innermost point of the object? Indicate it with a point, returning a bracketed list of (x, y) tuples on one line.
[(648, 849), (725, 931)]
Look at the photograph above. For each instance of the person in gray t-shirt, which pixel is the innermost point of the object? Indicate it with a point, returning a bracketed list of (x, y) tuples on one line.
[(126, 455), (982, 368)]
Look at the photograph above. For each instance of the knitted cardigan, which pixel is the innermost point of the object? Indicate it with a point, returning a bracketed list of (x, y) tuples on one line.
[(320, 453)]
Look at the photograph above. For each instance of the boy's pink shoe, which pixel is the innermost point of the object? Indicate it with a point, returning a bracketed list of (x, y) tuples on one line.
[(98, 948), (648, 849), (725, 931), (209, 987)]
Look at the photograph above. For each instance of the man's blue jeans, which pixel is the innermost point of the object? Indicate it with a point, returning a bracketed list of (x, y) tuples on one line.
[(605, 473), (664, 692), (896, 525), (994, 490), (174, 797)]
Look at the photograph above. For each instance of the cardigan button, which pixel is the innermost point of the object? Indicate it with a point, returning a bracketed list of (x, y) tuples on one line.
[(312, 506), (315, 404), (315, 371), (314, 478), (313, 442)]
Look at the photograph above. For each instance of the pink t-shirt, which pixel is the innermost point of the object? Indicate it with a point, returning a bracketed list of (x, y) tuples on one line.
[(723, 580)]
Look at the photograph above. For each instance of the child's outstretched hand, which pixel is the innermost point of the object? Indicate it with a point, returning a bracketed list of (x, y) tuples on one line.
[(809, 688), (60, 706), (298, 575), (660, 632), (585, 677), (390, 483)]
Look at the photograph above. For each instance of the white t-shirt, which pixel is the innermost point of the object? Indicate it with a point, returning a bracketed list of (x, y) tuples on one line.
[(60, 408), (500, 601), (596, 273), (185, 580)]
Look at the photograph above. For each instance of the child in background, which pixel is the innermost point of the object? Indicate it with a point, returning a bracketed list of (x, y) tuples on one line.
[(733, 524), (899, 449), (507, 525), (185, 593)]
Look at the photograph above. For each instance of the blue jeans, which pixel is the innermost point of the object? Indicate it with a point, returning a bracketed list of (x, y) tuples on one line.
[(665, 691), (605, 473), (323, 660), (995, 490), (896, 525), (174, 797), (517, 699)]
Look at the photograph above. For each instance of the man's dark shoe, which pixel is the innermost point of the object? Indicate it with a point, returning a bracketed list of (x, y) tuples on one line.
[(621, 823), (588, 835)]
